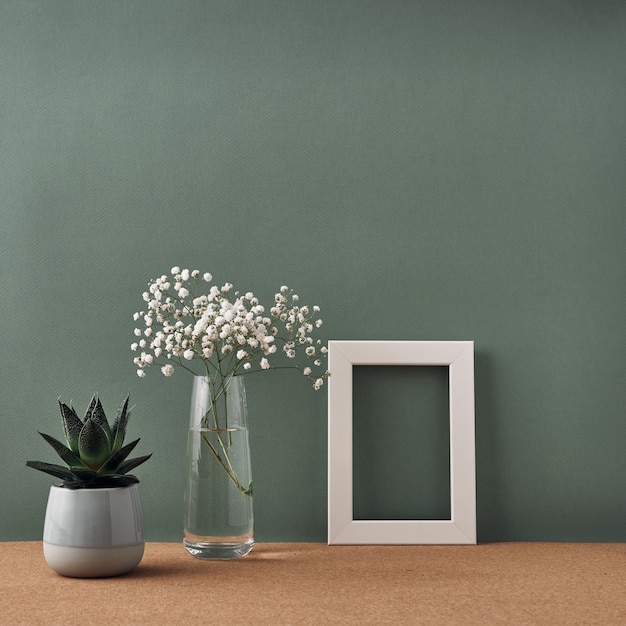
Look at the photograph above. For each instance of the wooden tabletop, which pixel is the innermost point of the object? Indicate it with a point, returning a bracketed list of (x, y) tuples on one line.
[(312, 583)]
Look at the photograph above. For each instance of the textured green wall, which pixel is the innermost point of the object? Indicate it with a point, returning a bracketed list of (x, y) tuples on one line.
[(420, 169)]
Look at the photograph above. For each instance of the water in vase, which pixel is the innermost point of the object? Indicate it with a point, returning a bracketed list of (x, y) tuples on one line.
[(218, 494)]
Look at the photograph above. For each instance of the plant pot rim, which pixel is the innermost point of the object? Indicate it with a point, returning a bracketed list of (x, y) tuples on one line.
[(64, 488)]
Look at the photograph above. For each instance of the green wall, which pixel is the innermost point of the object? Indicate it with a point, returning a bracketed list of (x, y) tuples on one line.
[(420, 169)]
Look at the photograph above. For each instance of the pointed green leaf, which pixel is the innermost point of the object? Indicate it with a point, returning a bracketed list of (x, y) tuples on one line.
[(54, 470), (93, 445), (63, 451), (71, 425), (111, 465), (127, 479), (83, 474), (115, 480), (118, 430), (126, 466), (98, 416), (91, 407)]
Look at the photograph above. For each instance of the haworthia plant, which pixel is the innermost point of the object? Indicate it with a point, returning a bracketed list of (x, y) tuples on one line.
[(94, 454)]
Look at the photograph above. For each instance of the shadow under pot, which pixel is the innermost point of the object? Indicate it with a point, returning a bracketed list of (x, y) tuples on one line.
[(93, 533)]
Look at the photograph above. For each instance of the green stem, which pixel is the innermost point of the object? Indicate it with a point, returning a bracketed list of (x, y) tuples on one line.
[(218, 390), (230, 472)]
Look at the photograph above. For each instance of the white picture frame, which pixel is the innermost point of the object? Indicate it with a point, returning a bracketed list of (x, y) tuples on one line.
[(458, 356)]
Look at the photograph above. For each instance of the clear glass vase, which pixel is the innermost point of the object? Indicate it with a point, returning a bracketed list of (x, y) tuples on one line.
[(218, 491)]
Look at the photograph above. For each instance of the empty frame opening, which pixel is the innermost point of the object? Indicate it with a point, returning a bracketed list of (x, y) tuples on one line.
[(401, 442)]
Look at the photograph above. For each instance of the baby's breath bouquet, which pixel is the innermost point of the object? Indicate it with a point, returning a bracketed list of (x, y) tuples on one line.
[(225, 332), (219, 333)]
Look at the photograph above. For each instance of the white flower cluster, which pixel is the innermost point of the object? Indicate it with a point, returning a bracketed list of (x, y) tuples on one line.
[(224, 329)]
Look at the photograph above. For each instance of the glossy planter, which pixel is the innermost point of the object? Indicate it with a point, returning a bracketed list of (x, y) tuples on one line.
[(93, 533)]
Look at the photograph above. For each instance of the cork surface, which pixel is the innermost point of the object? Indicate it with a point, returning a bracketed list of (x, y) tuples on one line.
[(312, 583)]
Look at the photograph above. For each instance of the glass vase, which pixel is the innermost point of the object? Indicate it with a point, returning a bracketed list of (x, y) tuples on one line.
[(218, 491)]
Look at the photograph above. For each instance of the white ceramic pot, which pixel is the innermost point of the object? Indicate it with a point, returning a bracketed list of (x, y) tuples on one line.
[(92, 533)]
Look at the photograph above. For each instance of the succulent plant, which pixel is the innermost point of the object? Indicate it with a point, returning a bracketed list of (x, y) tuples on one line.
[(95, 454)]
